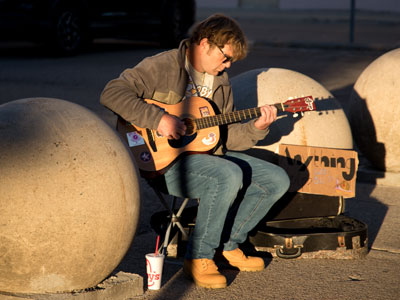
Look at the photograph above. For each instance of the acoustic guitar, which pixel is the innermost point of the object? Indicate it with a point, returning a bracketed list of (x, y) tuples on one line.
[(154, 153)]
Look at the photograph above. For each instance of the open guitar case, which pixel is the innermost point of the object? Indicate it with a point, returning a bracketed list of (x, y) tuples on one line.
[(298, 226), (310, 226)]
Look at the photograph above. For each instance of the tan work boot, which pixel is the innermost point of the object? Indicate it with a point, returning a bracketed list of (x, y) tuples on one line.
[(236, 258), (204, 273)]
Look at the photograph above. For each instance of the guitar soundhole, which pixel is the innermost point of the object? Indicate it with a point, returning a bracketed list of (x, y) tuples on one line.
[(190, 126), (183, 141)]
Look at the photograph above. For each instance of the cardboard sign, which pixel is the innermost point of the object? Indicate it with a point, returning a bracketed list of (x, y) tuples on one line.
[(322, 171)]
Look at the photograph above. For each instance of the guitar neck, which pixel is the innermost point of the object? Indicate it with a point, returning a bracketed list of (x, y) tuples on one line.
[(232, 117)]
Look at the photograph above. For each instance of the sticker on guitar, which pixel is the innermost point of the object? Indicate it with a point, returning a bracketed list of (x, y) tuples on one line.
[(210, 140), (204, 112), (145, 156), (134, 139)]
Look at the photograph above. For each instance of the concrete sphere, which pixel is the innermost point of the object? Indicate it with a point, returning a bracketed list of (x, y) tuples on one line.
[(374, 112), (325, 127), (69, 197)]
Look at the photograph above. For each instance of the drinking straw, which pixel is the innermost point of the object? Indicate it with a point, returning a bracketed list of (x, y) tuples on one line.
[(158, 240)]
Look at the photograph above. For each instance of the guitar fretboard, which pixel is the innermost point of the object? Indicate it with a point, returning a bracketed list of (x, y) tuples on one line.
[(232, 117)]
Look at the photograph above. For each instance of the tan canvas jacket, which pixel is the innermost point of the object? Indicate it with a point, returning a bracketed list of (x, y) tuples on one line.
[(163, 78)]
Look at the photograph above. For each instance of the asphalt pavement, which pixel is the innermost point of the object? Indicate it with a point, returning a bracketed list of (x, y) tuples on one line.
[(315, 28), (377, 201)]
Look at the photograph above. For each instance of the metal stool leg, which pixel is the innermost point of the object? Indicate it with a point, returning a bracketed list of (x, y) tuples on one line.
[(174, 220)]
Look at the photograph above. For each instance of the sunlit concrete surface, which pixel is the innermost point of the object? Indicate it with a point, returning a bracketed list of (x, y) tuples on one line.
[(69, 197), (375, 109)]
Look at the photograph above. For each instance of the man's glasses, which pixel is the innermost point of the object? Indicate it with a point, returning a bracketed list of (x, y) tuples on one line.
[(227, 58)]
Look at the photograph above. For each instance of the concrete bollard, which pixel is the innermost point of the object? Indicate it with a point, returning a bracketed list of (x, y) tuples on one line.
[(374, 110), (69, 197), (325, 127)]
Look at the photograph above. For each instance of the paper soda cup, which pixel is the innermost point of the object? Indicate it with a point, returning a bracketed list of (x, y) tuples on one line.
[(154, 267)]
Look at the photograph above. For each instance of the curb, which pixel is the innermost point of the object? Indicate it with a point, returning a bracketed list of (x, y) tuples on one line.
[(376, 177), (121, 286)]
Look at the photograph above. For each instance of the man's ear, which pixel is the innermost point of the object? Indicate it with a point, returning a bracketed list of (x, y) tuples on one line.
[(204, 44)]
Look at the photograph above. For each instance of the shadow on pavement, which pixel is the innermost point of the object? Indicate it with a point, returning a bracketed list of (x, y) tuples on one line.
[(364, 207)]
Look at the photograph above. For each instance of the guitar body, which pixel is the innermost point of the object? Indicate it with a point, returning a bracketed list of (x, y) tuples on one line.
[(154, 153)]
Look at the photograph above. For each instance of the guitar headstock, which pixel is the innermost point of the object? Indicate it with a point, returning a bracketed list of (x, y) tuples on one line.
[(299, 104)]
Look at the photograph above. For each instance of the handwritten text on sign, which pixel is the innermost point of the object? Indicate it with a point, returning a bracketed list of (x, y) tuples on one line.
[(317, 170)]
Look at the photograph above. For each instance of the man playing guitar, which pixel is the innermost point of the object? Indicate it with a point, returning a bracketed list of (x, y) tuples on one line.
[(235, 190)]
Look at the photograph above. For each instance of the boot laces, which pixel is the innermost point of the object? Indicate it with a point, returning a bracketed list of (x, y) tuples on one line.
[(208, 264)]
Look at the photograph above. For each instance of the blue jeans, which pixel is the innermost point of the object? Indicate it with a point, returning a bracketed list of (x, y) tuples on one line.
[(235, 183)]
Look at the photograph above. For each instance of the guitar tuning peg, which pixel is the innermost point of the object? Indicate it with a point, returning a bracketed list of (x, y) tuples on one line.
[(302, 114), (295, 115), (290, 98)]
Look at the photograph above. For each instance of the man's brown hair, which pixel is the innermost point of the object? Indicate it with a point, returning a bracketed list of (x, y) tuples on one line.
[(220, 30)]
